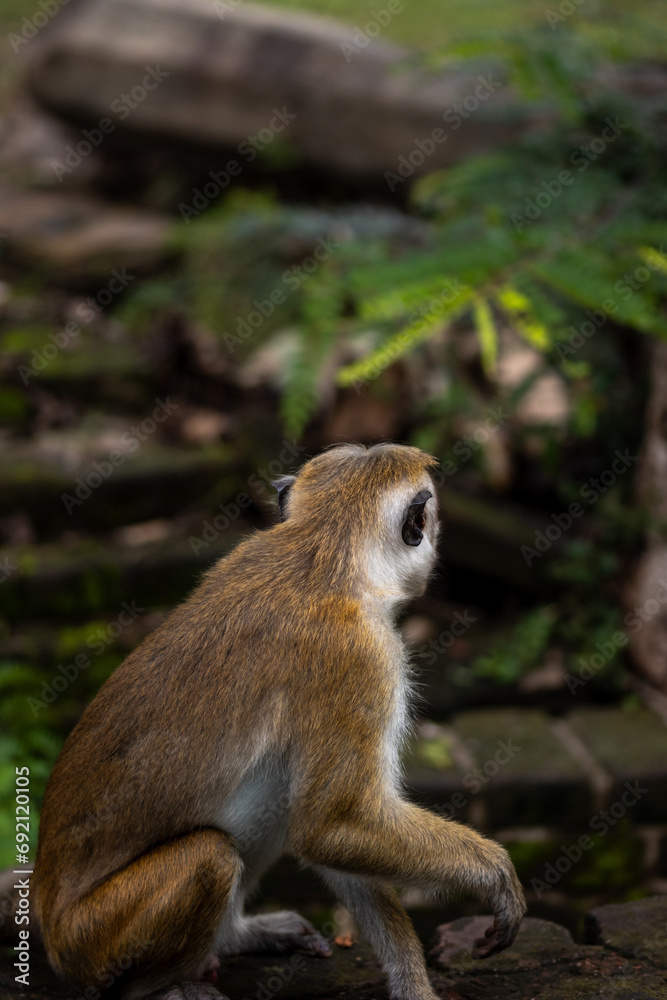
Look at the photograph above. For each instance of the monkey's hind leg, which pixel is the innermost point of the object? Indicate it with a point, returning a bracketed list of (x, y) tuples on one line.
[(154, 923)]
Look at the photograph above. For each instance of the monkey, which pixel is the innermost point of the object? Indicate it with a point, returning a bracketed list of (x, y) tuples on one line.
[(265, 716)]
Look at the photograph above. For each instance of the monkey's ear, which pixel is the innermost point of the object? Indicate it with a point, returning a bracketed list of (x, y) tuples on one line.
[(283, 486), (413, 525)]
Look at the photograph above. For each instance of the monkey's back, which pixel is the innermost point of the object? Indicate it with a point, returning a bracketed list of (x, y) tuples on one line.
[(133, 774)]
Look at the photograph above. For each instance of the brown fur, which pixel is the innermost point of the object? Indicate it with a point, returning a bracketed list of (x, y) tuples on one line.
[(281, 670)]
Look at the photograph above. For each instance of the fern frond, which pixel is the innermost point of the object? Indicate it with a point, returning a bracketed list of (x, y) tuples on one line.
[(487, 333), (520, 311), (321, 310), (654, 258), (423, 328)]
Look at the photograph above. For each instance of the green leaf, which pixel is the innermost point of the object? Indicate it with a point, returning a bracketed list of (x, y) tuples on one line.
[(520, 310), (488, 335), (423, 328)]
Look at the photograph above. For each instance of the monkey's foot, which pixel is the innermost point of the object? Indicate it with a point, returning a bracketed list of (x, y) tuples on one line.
[(496, 938), (189, 991), (281, 932)]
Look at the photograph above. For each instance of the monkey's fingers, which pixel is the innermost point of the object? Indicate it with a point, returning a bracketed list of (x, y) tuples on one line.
[(496, 938)]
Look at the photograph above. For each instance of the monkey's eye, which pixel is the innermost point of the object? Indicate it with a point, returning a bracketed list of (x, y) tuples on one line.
[(415, 519)]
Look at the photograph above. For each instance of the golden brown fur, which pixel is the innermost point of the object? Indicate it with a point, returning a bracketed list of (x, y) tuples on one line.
[(263, 716)]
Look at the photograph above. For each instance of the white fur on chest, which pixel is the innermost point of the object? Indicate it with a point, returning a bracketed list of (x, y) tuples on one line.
[(256, 813), (399, 717)]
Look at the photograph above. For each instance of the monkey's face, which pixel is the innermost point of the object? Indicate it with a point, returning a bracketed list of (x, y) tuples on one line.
[(375, 508), (405, 557)]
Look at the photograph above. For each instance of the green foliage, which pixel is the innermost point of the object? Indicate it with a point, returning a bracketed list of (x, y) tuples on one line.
[(614, 862), (625, 30), (434, 752), (14, 407), (587, 613), (521, 651), (536, 237), (568, 223), (22, 743), (36, 716), (611, 863), (320, 311)]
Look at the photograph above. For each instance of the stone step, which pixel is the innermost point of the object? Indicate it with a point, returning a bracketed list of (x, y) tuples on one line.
[(75, 235), (100, 480), (75, 358), (499, 767), (543, 962), (631, 747), (70, 583), (258, 74), (240, 77), (511, 767)]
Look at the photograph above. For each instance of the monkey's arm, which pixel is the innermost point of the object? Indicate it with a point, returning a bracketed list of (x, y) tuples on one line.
[(351, 820)]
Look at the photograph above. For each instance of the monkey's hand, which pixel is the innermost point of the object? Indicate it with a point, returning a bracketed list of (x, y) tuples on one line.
[(496, 938), (509, 908)]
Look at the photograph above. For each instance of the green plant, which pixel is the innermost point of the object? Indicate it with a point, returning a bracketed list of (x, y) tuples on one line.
[(521, 651), (560, 234)]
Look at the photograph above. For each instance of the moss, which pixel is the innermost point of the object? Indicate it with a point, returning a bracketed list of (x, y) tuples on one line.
[(615, 861)]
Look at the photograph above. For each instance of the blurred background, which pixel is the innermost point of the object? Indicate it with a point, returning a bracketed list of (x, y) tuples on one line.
[(232, 235)]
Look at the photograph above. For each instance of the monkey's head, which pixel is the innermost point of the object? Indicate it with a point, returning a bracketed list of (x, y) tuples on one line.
[(370, 514)]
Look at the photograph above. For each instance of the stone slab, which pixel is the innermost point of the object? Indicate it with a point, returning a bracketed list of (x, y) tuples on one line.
[(223, 75), (539, 942), (542, 964), (632, 747), (522, 772), (77, 235), (636, 929)]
